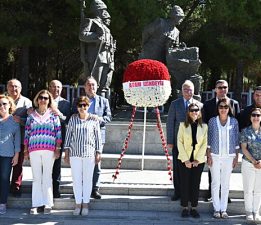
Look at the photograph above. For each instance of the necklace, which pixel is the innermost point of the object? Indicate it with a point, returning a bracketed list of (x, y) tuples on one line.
[(41, 112)]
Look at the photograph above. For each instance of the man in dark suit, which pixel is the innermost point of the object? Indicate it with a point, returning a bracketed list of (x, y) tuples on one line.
[(177, 114), (100, 107), (210, 110), (63, 110), (244, 120)]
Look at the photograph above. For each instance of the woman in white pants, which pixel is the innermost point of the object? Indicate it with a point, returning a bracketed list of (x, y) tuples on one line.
[(251, 166), (222, 154), (82, 150), (42, 143)]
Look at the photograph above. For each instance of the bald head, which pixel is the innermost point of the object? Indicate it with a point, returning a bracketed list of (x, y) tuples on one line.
[(55, 88)]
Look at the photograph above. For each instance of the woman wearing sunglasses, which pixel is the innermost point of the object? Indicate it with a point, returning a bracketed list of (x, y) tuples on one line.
[(9, 147), (222, 155), (192, 145), (251, 166), (82, 146), (42, 146)]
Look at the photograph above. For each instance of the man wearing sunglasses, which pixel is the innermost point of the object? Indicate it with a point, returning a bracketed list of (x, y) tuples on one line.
[(177, 114), (99, 106), (14, 88), (210, 110), (245, 113), (63, 110)]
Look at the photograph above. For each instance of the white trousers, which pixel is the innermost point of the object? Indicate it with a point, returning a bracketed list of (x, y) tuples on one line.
[(82, 173), (252, 186), (221, 170), (42, 167)]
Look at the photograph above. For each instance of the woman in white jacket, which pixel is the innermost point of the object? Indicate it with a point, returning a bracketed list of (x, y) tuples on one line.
[(222, 154)]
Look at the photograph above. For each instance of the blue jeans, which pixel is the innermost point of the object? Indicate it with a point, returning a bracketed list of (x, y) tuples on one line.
[(5, 171)]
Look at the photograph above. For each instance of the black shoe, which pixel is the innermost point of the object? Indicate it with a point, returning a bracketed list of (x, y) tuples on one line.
[(96, 195), (17, 193), (175, 197), (206, 199), (229, 200), (194, 213), (185, 213), (40, 209)]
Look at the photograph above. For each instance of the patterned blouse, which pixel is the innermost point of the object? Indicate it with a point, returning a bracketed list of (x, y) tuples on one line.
[(42, 132), (83, 137), (253, 141)]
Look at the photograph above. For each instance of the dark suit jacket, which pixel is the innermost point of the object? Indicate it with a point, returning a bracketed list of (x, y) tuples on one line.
[(65, 108), (176, 114), (210, 109), (244, 118)]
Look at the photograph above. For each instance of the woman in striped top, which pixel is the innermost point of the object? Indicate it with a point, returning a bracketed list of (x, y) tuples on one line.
[(83, 145), (42, 143)]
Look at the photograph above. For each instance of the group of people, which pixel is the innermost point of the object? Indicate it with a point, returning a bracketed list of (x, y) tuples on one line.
[(217, 130), (40, 131)]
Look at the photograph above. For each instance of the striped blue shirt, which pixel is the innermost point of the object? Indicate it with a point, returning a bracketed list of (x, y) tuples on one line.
[(83, 137)]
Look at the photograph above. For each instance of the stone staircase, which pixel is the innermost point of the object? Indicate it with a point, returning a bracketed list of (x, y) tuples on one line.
[(147, 190)]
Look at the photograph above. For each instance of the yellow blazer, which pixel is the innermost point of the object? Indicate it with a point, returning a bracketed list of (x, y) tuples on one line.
[(184, 142)]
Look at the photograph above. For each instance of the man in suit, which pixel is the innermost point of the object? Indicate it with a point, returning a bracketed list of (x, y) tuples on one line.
[(210, 110), (100, 107), (177, 114), (244, 120), (63, 110)]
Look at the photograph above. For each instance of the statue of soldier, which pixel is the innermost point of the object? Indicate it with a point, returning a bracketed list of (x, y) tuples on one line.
[(98, 47), (161, 35)]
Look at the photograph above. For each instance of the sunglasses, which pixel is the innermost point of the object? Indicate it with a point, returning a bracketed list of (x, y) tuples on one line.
[(82, 105), (222, 87), (223, 106), (193, 110), (43, 98), (3, 104), (255, 115)]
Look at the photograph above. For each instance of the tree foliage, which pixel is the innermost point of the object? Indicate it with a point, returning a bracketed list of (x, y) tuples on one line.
[(227, 33)]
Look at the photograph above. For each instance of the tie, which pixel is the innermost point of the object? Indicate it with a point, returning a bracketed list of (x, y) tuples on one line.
[(186, 105)]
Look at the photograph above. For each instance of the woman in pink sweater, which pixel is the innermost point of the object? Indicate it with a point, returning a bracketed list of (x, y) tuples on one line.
[(42, 145)]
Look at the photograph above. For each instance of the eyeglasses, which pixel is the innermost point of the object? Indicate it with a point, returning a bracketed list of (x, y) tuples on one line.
[(43, 98), (3, 104), (223, 106), (80, 105), (222, 87), (255, 115), (193, 110), (187, 90)]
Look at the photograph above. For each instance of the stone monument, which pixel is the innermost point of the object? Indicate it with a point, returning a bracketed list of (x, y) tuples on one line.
[(160, 41), (97, 46)]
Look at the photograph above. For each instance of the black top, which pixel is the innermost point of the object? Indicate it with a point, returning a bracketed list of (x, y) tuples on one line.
[(194, 127)]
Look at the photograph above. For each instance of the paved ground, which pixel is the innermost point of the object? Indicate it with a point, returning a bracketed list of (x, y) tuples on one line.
[(104, 217)]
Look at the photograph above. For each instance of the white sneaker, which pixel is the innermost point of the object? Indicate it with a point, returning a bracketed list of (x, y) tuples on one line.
[(77, 211), (33, 211), (85, 211), (249, 216), (2, 209)]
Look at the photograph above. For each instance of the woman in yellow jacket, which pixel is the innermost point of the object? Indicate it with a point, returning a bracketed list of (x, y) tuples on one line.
[(192, 145)]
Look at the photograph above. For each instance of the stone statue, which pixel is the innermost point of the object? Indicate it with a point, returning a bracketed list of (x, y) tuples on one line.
[(98, 46), (160, 41), (161, 35)]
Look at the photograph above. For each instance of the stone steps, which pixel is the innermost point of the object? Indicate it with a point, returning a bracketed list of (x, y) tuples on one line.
[(130, 202)]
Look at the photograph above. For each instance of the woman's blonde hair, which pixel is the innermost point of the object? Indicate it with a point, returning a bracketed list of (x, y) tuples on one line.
[(11, 103), (51, 102)]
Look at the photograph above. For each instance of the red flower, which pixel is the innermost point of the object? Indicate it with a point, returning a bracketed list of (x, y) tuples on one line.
[(146, 69)]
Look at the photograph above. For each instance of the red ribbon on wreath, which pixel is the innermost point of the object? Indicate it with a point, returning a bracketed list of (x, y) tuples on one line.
[(125, 144), (163, 141)]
